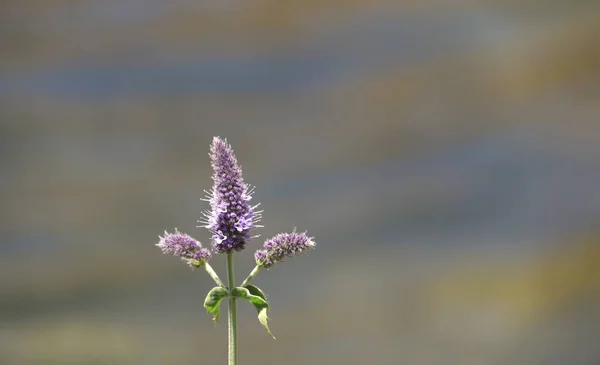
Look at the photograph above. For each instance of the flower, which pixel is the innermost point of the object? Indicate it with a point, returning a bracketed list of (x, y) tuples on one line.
[(184, 246), (283, 245), (231, 217)]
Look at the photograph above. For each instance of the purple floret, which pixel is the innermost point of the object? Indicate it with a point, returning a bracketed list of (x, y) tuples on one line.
[(231, 217), (182, 245), (283, 245)]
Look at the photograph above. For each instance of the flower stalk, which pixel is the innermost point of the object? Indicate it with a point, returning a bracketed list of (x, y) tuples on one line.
[(231, 315), (213, 274), (251, 276)]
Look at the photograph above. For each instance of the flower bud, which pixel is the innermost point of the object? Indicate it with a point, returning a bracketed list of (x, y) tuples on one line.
[(283, 245), (184, 246), (231, 216)]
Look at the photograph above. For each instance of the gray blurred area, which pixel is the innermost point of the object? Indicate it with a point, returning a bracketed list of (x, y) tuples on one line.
[(445, 155)]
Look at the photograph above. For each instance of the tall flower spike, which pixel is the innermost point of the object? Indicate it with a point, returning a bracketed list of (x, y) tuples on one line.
[(231, 216), (281, 246), (184, 246)]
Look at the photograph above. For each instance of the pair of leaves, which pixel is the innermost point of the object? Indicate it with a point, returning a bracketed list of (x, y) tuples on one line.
[(249, 293)]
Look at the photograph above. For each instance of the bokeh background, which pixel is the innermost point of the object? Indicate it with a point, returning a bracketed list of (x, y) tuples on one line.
[(445, 155)]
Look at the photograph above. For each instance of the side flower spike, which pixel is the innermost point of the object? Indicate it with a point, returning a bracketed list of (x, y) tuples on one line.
[(182, 245), (283, 245), (231, 217)]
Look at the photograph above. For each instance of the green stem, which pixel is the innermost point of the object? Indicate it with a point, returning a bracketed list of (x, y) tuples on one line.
[(231, 315), (252, 275), (213, 274)]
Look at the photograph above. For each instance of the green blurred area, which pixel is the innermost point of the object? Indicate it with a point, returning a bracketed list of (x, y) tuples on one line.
[(445, 156)]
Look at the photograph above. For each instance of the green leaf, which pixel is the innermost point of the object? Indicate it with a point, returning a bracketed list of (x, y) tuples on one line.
[(213, 300), (258, 299), (254, 290), (262, 317)]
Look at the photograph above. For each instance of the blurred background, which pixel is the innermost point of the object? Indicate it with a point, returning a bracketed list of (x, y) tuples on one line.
[(445, 155)]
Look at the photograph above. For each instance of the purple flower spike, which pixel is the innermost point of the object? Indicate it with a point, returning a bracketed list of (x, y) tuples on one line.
[(184, 246), (281, 246), (231, 216)]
